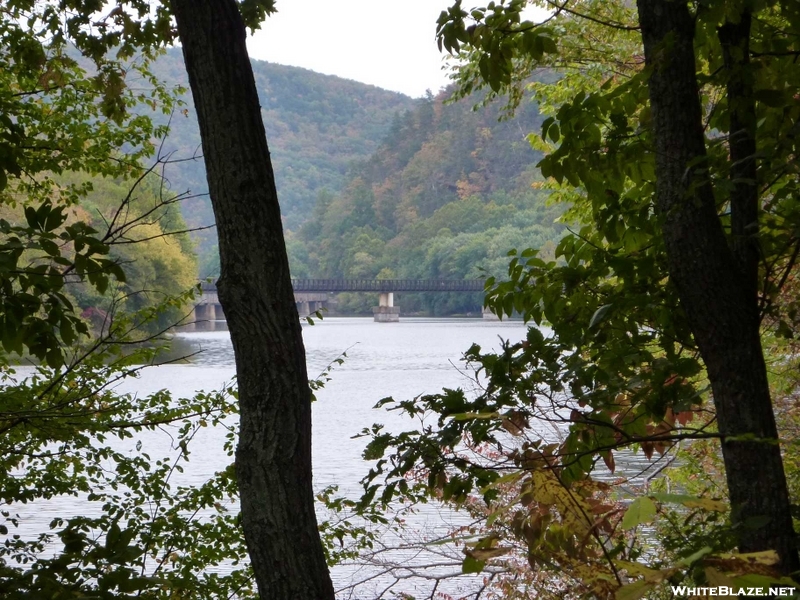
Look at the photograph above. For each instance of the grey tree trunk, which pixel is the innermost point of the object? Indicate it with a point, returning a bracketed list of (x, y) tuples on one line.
[(273, 458), (715, 283)]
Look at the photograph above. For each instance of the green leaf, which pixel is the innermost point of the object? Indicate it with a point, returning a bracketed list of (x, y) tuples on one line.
[(377, 447), (599, 315), (472, 565), (50, 247), (54, 219), (549, 45), (642, 510), (555, 132), (546, 125), (771, 98), (31, 217), (695, 556)]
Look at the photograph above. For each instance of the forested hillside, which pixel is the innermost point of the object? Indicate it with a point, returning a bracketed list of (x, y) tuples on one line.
[(375, 184), (146, 237), (317, 126), (447, 194)]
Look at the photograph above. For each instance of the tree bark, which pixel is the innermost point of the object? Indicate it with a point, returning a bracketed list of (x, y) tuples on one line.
[(714, 286), (735, 41), (273, 458)]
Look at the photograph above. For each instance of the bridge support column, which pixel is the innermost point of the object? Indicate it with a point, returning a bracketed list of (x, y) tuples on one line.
[(386, 311), (203, 312), (219, 315)]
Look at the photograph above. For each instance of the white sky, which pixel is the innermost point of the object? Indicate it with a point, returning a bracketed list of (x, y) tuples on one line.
[(388, 43)]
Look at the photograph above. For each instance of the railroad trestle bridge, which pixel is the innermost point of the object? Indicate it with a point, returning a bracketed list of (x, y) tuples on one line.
[(312, 295)]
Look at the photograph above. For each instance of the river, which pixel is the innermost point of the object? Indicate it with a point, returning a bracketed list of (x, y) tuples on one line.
[(402, 360)]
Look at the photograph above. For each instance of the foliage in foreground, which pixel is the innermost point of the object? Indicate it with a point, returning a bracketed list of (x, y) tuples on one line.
[(611, 361), (94, 264), (140, 531)]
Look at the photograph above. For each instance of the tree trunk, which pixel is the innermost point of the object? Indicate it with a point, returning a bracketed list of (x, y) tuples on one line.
[(273, 458), (735, 40), (715, 288)]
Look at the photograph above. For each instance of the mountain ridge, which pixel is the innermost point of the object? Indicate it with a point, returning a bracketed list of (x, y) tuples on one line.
[(317, 126)]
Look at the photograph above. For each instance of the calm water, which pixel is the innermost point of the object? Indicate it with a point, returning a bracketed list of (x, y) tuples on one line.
[(401, 360)]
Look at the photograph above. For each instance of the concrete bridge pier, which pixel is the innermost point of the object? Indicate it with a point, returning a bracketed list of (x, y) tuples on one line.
[(219, 314), (309, 303), (386, 311), (204, 312)]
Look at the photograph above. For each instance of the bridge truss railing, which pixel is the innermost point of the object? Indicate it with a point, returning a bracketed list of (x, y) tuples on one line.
[(381, 285)]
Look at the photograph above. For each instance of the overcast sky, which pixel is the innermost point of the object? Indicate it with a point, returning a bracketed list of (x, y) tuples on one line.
[(388, 43)]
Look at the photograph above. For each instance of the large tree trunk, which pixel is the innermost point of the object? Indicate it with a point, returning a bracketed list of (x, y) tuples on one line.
[(715, 285), (735, 41), (273, 458)]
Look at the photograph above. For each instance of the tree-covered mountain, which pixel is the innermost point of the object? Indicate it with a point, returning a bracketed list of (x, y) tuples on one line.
[(317, 126), (446, 195), (375, 184)]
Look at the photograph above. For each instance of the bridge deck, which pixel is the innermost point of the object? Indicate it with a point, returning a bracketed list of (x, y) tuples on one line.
[(380, 285)]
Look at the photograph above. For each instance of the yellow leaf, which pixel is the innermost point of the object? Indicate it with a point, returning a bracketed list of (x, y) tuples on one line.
[(486, 553), (545, 487), (633, 568), (469, 416), (608, 459), (717, 579), (634, 591), (692, 501), (573, 509), (509, 479), (766, 557), (707, 504)]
